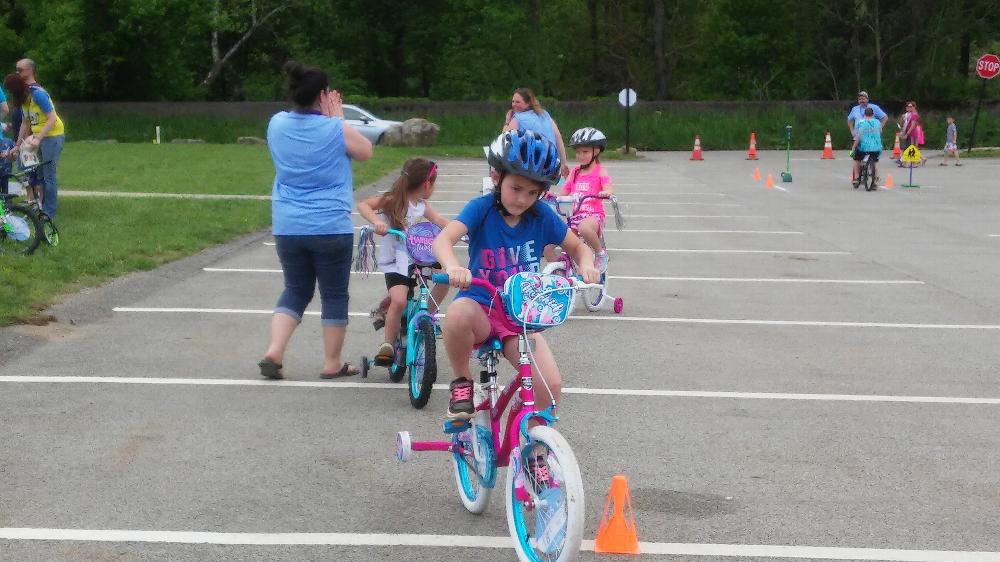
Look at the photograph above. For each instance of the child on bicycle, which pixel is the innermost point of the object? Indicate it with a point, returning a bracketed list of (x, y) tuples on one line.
[(867, 142), (589, 178), (404, 204), (507, 230)]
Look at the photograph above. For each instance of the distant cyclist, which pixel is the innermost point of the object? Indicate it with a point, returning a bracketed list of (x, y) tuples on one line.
[(867, 142), (857, 112)]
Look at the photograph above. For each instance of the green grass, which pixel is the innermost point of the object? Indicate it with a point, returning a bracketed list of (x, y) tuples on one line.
[(228, 169), (102, 238), (979, 154), (649, 130)]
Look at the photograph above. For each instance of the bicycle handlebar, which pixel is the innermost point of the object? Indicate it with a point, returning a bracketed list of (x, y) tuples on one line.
[(576, 280)]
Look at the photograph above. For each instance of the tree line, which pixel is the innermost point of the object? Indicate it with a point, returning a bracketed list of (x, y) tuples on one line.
[(144, 50)]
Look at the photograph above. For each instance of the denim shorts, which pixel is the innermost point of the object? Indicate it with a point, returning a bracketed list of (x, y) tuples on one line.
[(308, 260)]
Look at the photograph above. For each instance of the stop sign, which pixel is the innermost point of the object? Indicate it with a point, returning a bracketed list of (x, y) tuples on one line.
[(988, 66)]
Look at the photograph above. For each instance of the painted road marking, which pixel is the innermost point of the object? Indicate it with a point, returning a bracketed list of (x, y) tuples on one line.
[(650, 278), (654, 319), (703, 251), (173, 381), (472, 541)]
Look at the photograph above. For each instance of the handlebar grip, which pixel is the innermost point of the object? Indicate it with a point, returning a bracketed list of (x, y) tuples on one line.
[(399, 233), (440, 278)]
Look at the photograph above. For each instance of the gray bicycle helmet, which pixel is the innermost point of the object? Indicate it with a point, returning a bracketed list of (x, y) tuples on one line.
[(525, 153), (588, 136)]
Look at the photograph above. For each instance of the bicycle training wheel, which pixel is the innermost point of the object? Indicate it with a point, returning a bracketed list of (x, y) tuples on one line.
[(475, 465), (49, 230), (423, 371), (593, 298), (547, 470), (20, 231)]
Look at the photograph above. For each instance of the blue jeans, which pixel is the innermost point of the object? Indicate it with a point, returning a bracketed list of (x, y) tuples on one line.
[(50, 150), (308, 259)]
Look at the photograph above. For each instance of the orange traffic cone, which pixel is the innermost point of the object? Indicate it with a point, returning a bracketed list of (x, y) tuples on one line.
[(752, 153), (616, 535), (897, 153), (756, 174), (769, 182), (696, 153), (827, 148), (888, 181)]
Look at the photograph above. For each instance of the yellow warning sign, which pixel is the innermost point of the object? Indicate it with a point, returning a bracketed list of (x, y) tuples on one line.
[(911, 154)]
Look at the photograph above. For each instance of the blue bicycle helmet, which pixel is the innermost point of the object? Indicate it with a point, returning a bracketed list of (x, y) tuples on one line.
[(525, 153)]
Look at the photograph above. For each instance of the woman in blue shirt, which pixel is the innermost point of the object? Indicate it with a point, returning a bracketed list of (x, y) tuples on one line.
[(526, 113), (311, 202)]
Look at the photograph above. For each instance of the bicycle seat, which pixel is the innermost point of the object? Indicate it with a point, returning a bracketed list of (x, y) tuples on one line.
[(492, 344)]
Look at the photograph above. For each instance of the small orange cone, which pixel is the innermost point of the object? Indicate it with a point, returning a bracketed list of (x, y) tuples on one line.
[(827, 148), (752, 153), (897, 153), (769, 182), (888, 181), (756, 174), (696, 153), (616, 535)]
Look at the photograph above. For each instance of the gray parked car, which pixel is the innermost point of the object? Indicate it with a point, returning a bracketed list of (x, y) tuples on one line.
[(367, 124)]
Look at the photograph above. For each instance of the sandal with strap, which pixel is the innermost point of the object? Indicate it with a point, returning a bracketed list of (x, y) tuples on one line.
[(347, 370), (270, 370)]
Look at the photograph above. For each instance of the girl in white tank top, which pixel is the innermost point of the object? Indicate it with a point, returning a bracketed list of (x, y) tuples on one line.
[(404, 204)]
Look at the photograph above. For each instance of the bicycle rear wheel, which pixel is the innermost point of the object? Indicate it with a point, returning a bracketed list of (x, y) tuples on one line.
[(423, 371), (475, 466), (20, 231), (870, 184), (545, 468)]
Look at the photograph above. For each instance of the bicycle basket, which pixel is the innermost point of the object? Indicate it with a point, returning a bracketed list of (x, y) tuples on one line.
[(419, 239), (538, 300)]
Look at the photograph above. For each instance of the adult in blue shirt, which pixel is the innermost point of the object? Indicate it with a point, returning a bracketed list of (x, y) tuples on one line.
[(526, 113), (311, 202), (858, 112)]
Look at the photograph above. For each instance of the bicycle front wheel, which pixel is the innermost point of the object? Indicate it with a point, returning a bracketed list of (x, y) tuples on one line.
[(475, 465), (423, 371), (20, 231), (870, 185), (544, 473)]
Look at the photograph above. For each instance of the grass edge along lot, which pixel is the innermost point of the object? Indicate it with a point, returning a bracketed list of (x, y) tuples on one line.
[(103, 238)]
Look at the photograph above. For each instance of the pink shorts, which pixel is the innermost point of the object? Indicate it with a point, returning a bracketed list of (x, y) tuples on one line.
[(500, 326), (575, 220)]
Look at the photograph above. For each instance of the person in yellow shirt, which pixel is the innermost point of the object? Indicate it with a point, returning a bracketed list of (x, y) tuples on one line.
[(44, 130)]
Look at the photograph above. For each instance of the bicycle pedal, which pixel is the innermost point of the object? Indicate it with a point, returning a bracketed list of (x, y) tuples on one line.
[(456, 426)]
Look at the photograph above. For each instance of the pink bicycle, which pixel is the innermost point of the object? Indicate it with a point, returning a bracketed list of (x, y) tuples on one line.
[(544, 490), (593, 299)]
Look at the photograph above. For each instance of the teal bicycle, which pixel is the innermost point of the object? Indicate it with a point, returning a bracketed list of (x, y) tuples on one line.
[(415, 348), (26, 178)]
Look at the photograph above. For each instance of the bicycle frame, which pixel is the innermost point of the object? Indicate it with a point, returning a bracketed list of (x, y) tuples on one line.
[(416, 307), (519, 396)]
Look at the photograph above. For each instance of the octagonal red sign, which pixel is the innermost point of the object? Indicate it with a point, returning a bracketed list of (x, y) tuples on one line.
[(988, 66)]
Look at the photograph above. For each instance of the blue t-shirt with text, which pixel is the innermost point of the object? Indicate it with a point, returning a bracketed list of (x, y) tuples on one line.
[(498, 250)]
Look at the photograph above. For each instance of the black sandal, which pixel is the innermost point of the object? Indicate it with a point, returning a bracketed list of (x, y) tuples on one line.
[(347, 370), (270, 370)]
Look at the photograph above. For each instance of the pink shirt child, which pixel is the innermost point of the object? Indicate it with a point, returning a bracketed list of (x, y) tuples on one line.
[(589, 183)]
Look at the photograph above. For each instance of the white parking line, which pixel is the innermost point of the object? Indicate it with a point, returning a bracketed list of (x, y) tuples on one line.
[(703, 251), (653, 319), (773, 280), (645, 278), (612, 231), (621, 194), (473, 541), (994, 235), (649, 393), (631, 216)]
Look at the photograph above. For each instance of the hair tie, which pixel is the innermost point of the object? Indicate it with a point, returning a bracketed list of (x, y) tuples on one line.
[(404, 173)]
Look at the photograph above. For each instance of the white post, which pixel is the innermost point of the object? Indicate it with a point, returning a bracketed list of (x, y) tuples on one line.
[(157, 141)]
